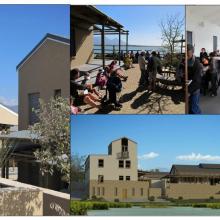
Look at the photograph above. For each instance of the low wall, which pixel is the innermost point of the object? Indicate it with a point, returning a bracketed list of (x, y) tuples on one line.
[(22, 199), (192, 191), (155, 192), (125, 191)]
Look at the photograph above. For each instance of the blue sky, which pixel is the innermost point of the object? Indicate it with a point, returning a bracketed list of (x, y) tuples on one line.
[(162, 140), (22, 27), (142, 21)]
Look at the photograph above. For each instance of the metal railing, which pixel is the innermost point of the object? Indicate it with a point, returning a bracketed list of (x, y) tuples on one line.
[(123, 155)]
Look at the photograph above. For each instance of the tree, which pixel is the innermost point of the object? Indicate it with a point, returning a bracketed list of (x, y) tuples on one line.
[(77, 168), (52, 132), (172, 29)]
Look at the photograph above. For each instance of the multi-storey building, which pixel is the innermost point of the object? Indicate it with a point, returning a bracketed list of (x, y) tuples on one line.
[(115, 176)]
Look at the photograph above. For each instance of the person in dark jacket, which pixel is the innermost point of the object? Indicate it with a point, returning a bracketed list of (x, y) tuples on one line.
[(194, 77), (114, 86), (213, 75), (203, 54)]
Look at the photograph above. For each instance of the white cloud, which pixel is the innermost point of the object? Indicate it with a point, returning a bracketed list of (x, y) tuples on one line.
[(198, 157), (148, 156), (8, 102)]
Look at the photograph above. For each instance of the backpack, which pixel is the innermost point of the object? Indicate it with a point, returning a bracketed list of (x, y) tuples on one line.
[(114, 84)]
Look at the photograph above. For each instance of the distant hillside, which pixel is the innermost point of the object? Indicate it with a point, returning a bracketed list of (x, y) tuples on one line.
[(108, 41), (14, 108)]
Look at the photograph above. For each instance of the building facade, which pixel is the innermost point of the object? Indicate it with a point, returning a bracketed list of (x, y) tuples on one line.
[(114, 176), (43, 73)]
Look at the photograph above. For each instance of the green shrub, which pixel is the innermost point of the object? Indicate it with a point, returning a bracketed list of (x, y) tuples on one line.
[(151, 198), (78, 208), (213, 205), (199, 205), (100, 206)]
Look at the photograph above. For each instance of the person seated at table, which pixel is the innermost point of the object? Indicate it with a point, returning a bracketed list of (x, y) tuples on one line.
[(83, 93), (101, 79), (113, 67), (203, 54), (128, 62)]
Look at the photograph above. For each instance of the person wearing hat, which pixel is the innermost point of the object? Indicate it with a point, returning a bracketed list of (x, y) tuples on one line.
[(142, 64), (195, 80)]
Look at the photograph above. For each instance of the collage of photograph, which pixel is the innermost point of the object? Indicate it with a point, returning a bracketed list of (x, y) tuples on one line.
[(109, 110)]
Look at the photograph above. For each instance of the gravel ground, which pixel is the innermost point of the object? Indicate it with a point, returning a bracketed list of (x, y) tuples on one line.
[(167, 99)]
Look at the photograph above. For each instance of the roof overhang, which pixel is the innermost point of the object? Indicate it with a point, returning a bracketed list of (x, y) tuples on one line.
[(47, 37)]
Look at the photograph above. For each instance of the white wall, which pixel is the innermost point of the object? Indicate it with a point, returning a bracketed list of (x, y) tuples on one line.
[(202, 27)]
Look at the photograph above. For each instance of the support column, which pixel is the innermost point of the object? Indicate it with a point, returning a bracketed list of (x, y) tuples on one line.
[(103, 45), (119, 46), (127, 42)]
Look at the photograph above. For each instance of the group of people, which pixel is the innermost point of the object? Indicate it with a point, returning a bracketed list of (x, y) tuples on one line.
[(202, 72), (149, 66), (109, 78)]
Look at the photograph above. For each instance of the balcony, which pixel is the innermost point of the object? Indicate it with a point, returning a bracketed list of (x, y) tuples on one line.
[(123, 155)]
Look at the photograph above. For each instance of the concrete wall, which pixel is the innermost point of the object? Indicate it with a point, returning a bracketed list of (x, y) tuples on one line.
[(111, 170), (24, 199), (84, 46), (45, 71), (203, 29), (155, 192), (124, 190), (192, 191)]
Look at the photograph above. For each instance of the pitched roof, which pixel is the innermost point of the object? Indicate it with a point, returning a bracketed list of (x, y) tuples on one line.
[(122, 138), (7, 116), (195, 170), (151, 174), (48, 36)]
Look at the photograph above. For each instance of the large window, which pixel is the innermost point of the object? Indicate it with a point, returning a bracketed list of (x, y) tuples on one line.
[(128, 164), (34, 105), (133, 191), (121, 178), (128, 178), (142, 191), (100, 163), (116, 191), (121, 163)]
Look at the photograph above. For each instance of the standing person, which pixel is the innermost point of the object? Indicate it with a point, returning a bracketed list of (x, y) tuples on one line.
[(194, 77), (203, 54), (154, 68), (213, 75), (142, 64)]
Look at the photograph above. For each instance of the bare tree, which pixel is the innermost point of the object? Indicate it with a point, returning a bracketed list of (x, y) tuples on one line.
[(172, 29)]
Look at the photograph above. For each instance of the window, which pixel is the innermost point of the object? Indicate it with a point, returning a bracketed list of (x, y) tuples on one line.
[(110, 149), (93, 191), (103, 191), (121, 178), (101, 163), (57, 93), (34, 105), (128, 178), (121, 163), (124, 148), (98, 191), (142, 191), (116, 191), (215, 43), (124, 142), (190, 37), (133, 191), (100, 178), (128, 164)]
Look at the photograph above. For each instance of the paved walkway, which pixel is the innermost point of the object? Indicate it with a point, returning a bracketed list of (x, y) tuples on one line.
[(210, 105), (165, 100)]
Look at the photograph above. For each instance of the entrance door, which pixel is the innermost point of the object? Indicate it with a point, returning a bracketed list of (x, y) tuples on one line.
[(124, 194)]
